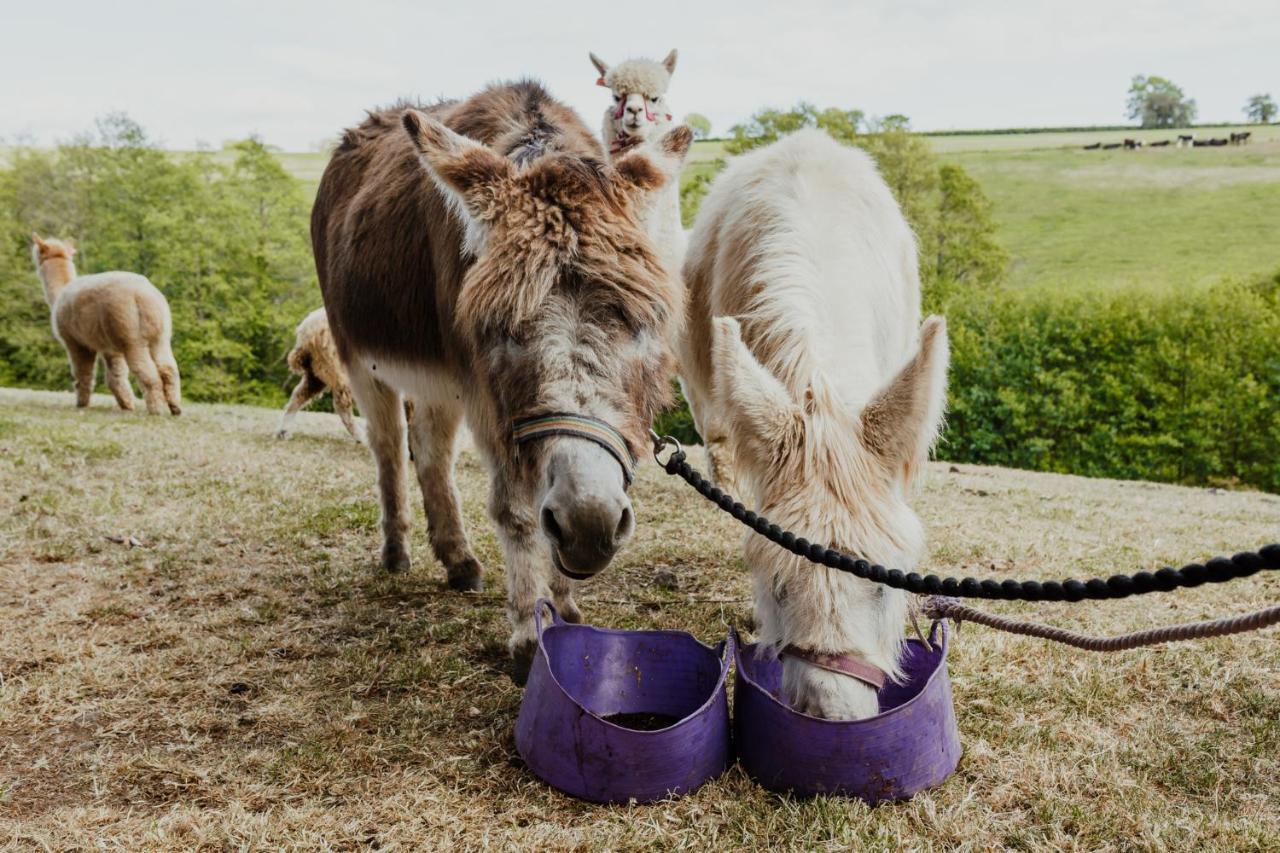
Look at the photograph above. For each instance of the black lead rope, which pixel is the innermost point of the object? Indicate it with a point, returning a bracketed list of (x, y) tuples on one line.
[(1217, 570)]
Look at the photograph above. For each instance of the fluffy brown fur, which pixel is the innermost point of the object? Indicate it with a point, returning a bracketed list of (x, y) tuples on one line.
[(483, 258), (314, 359), (118, 315)]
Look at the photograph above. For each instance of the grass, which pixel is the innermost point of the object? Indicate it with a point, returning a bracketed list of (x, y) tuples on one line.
[(244, 678), (1159, 218)]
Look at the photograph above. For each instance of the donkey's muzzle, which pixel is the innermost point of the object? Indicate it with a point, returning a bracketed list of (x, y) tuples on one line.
[(585, 535)]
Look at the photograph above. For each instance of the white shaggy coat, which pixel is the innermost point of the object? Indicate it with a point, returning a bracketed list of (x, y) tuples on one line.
[(808, 377)]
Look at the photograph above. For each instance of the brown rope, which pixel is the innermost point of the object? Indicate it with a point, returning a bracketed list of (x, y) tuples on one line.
[(942, 607)]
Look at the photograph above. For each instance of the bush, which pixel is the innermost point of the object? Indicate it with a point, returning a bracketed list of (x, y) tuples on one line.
[(1182, 386)]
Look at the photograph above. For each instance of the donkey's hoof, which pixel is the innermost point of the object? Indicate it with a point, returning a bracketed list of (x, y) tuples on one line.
[(282, 434), (522, 661), (395, 559), (175, 410), (467, 576)]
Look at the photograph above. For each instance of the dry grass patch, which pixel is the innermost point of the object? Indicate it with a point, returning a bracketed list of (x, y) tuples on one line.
[(244, 678)]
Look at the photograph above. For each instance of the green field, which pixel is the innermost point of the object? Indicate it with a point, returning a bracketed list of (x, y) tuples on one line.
[(1157, 217)]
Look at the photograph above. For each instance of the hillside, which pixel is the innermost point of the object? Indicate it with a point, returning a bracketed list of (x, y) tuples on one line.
[(242, 677)]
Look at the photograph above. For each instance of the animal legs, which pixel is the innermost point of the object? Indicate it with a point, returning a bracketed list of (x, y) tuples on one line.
[(144, 367), (715, 438), (384, 419), (84, 369), (433, 431), (118, 381), (308, 388), (342, 404), (170, 380), (528, 569)]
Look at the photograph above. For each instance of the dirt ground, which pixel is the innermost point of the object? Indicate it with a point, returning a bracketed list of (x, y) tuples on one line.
[(198, 653)]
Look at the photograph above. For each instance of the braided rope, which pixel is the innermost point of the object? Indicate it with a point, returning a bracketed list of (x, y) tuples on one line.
[(942, 607), (1217, 570)]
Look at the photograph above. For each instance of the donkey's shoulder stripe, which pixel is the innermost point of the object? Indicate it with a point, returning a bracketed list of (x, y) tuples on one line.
[(579, 426)]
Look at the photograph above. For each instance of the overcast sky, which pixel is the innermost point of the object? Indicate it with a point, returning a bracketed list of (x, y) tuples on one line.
[(295, 72)]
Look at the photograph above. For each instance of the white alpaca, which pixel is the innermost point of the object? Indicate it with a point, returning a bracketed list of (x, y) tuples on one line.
[(821, 391), (640, 114)]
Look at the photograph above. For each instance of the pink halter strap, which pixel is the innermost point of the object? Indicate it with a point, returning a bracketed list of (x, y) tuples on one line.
[(873, 676)]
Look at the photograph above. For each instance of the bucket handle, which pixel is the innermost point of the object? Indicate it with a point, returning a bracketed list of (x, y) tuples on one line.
[(938, 625), (556, 618)]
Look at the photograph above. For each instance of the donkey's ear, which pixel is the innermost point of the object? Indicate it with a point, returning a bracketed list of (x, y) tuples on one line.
[(901, 423), (670, 62), (36, 241), (601, 66), (467, 170), (761, 414), (649, 167)]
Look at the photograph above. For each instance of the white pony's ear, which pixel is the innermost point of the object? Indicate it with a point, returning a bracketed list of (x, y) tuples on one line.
[(601, 66), (901, 423), (761, 414), (670, 62)]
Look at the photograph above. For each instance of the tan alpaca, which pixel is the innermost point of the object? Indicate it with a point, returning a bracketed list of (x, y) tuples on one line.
[(315, 359), (118, 315)]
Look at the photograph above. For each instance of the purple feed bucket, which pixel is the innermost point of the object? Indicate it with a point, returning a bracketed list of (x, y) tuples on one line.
[(911, 745), (582, 675)]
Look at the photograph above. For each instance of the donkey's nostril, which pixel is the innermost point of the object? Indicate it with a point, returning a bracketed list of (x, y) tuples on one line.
[(624, 526), (551, 527)]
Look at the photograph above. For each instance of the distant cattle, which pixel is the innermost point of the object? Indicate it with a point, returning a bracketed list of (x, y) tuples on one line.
[(1094, 147), (1218, 142), (1241, 138), (1161, 144), (1186, 140), (1110, 145), (1132, 144)]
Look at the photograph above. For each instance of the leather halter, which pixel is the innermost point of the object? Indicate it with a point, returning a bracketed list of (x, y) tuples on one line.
[(579, 426), (872, 676)]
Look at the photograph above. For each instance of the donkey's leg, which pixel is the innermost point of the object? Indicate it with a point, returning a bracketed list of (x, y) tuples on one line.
[(342, 404), (715, 437), (84, 369), (525, 551), (384, 420), (308, 388), (433, 433), (144, 367), (118, 380), (170, 380)]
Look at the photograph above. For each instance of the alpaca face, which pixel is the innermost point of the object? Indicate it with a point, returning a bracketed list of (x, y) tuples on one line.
[(639, 111)]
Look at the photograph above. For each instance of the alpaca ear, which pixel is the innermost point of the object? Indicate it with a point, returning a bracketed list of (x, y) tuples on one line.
[(762, 416), (71, 245), (670, 62), (601, 66), (646, 168), (36, 241), (901, 423), (467, 171)]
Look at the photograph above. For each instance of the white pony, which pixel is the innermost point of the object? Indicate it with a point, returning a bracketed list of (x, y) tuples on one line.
[(807, 375), (640, 114)]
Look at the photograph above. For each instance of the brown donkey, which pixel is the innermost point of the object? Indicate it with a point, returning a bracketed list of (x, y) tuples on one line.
[(118, 315), (484, 259)]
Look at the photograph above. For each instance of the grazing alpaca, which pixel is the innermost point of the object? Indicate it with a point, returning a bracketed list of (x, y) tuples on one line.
[(481, 257), (640, 114), (314, 358), (802, 346), (118, 315)]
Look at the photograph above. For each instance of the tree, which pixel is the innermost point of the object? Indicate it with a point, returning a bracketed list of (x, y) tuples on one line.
[(1260, 109), (1158, 102), (947, 209), (699, 124)]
